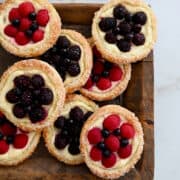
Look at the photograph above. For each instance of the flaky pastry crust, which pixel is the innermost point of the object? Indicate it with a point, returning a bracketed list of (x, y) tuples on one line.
[(118, 89), (122, 58), (48, 134), (57, 88), (52, 30), (111, 173)]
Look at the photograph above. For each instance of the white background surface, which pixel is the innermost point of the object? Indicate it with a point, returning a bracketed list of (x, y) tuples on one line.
[(167, 88)]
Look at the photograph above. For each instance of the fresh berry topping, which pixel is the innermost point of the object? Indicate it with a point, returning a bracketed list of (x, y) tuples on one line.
[(37, 81), (125, 28), (107, 23), (105, 73), (59, 123), (139, 39), (1, 136), (22, 81), (116, 132), (124, 142), (96, 53), (106, 152), (29, 33), (46, 96), (115, 74), (38, 35), (98, 67), (110, 38), (95, 154), (74, 52), (104, 83), (87, 115), (21, 38), (116, 30), (14, 14), (88, 84), (60, 142), (139, 18), (63, 42), (20, 141), (125, 152), (19, 111), (105, 133), (128, 17), (136, 28), (12, 96), (101, 145), (15, 22), (76, 113), (107, 65), (127, 131), (26, 8), (111, 122), (26, 98), (95, 78), (112, 143), (42, 17), (74, 69), (109, 161), (25, 24), (4, 147), (119, 12), (128, 37), (10, 139), (124, 45), (34, 26), (8, 129), (32, 16), (94, 136), (74, 148), (10, 30)]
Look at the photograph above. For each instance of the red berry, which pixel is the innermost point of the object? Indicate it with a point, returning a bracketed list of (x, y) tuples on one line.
[(94, 135), (115, 74), (109, 161), (4, 147), (1, 115), (88, 84), (10, 30), (111, 122), (14, 14), (20, 141), (25, 24), (103, 83), (127, 131), (21, 38), (42, 17), (95, 154), (96, 53), (112, 142), (125, 152), (8, 129), (26, 8), (98, 67), (38, 35)]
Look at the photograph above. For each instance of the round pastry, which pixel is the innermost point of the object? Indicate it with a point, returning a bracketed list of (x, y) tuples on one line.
[(107, 80), (72, 58), (62, 139), (32, 94), (124, 31), (111, 141), (28, 28), (16, 145)]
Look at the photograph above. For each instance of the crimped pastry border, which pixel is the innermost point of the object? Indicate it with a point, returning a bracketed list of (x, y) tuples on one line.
[(117, 58), (40, 47), (57, 84), (115, 91), (26, 154), (131, 118), (48, 132), (77, 83)]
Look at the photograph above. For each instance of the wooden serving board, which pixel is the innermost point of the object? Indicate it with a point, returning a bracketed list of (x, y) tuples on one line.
[(138, 98)]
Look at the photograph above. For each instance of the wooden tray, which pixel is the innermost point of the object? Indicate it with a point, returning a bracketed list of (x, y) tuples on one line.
[(138, 98)]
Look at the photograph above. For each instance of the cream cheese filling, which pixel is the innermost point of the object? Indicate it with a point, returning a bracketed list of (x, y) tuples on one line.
[(9, 84), (146, 30)]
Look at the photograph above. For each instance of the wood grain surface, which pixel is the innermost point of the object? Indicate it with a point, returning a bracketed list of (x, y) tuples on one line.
[(138, 98)]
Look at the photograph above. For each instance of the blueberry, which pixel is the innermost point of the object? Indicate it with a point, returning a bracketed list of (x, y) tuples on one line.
[(87, 115), (73, 148), (76, 113), (110, 38), (107, 65), (95, 78), (26, 98), (63, 52), (1, 136), (124, 45), (59, 123), (105, 73), (138, 39), (22, 81), (128, 17), (46, 96), (63, 42), (74, 69), (32, 16), (105, 133), (124, 142), (36, 93), (16, 22), (101, 145), (139, 18), (116, 30), (54, 49), (136, 28), (119, 12), (2, 120), (34, 26), (128, 37), (124, 27), (66, 62), (29, 33), (60, 142), (74, 53), (64, 133), (106, 153), (37, 81), (10, 139), (19, 111), (116, 132), (12, 97), (107, 23)]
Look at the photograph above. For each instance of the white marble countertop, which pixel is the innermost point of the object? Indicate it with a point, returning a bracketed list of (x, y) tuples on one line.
[(167, 87)]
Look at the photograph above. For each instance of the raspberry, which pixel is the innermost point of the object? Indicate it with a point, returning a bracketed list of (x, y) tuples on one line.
[(104, 83), (115, 74), (26, 8), (25, 24), (112, 142), (125, 152), (21, 38), (95, 154), (38, 35), (14, 14), (8, 129), (109, 161), (94, 136), (42, 17), (89, 84), (111, 122), (10, 30), (1, 115), (20, 141), (127, 131), (96, 53), (4, 147), (98, 67)]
